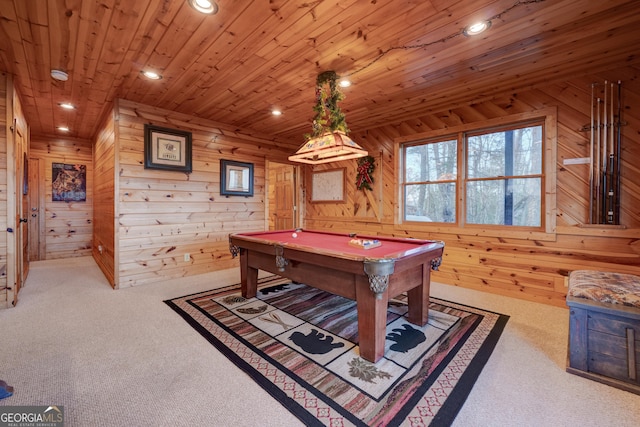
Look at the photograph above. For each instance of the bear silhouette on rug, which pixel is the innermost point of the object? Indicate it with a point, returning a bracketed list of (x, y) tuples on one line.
[(406, 339), (315, 342)]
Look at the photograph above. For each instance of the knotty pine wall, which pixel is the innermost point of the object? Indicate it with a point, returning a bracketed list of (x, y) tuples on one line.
[(104, 189), (160, 217), (5, 123), (512, 264), (68, 227)]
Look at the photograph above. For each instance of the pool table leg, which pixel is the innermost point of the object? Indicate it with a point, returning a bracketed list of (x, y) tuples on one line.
[(418, 299), (248, 276), (372, 320)]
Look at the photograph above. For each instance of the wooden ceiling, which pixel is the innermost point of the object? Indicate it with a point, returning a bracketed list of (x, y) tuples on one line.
[(405, 58)]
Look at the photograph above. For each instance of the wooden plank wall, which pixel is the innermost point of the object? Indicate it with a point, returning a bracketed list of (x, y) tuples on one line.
[(512, 264), (4, 130), (68, 227), (104, 187), (172, 224)]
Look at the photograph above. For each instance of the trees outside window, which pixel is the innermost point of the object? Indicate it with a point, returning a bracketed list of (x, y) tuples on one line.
[(431, 181), (486, 177)]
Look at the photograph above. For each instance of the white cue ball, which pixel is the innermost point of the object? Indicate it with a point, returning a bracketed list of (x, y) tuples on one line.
[(294, 235)]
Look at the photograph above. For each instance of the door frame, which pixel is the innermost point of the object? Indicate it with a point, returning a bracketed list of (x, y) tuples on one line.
[(22, 213), (17, 266), (36, 203), (297, 194)]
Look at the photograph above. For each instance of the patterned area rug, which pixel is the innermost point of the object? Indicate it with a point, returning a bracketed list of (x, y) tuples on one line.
[(300, 345)]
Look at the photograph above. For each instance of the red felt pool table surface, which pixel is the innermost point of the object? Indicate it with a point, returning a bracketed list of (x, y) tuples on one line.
[(338, 244)]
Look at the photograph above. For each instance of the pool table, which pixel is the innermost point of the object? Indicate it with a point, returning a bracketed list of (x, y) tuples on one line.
[(329, 262)]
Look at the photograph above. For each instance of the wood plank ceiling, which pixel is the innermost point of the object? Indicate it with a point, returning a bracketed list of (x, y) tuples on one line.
[(405, 58)]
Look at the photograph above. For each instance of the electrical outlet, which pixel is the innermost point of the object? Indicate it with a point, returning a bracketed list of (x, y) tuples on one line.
[(187, 257)]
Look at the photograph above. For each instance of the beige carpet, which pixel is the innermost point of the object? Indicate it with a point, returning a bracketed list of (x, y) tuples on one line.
[(123, 358)]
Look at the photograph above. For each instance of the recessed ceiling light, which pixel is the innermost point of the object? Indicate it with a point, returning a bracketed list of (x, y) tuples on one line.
[(63, 129), (345, 83), (204, 6), (276, 112), (476, 28), (59, 75), (67, 106), (151, 75)]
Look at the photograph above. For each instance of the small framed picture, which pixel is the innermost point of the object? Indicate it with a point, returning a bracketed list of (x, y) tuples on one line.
[(236, 178), (167, 149)]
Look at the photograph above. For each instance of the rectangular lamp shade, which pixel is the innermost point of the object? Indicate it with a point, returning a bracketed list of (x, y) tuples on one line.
[(329, 147)]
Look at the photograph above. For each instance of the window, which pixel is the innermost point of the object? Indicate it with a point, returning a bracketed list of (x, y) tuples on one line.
[(430, 181), (504, 177), (482, 177)]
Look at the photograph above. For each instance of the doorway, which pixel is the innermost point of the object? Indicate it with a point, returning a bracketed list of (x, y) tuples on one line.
[(282, 197), (36, 218), (21, 229)]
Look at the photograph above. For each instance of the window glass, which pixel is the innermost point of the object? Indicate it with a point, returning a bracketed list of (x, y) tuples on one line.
[(430, 181), (431, 202), (505, 153), (503, 185), (504, 202), (432, 161), (501, 181)]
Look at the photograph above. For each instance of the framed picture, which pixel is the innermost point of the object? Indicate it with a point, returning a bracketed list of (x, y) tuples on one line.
[(167, 149), (328, 186), (68, 182), (236, 178)]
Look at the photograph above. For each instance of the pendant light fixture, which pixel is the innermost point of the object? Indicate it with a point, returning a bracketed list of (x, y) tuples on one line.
[(328, 141)]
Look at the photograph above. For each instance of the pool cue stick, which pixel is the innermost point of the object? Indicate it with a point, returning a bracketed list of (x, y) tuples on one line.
[(610, 192), (597, 172), (591, 165), (616, 211), (604, 158)]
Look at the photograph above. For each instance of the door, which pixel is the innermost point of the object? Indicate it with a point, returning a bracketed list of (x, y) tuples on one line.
[(284, 209), (36, 247), (22, 215)]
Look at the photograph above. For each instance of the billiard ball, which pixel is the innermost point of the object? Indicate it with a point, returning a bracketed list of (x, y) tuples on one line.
[(294, 235)]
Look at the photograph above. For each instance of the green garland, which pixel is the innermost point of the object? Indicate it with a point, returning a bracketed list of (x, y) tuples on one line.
[(329, 117)]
